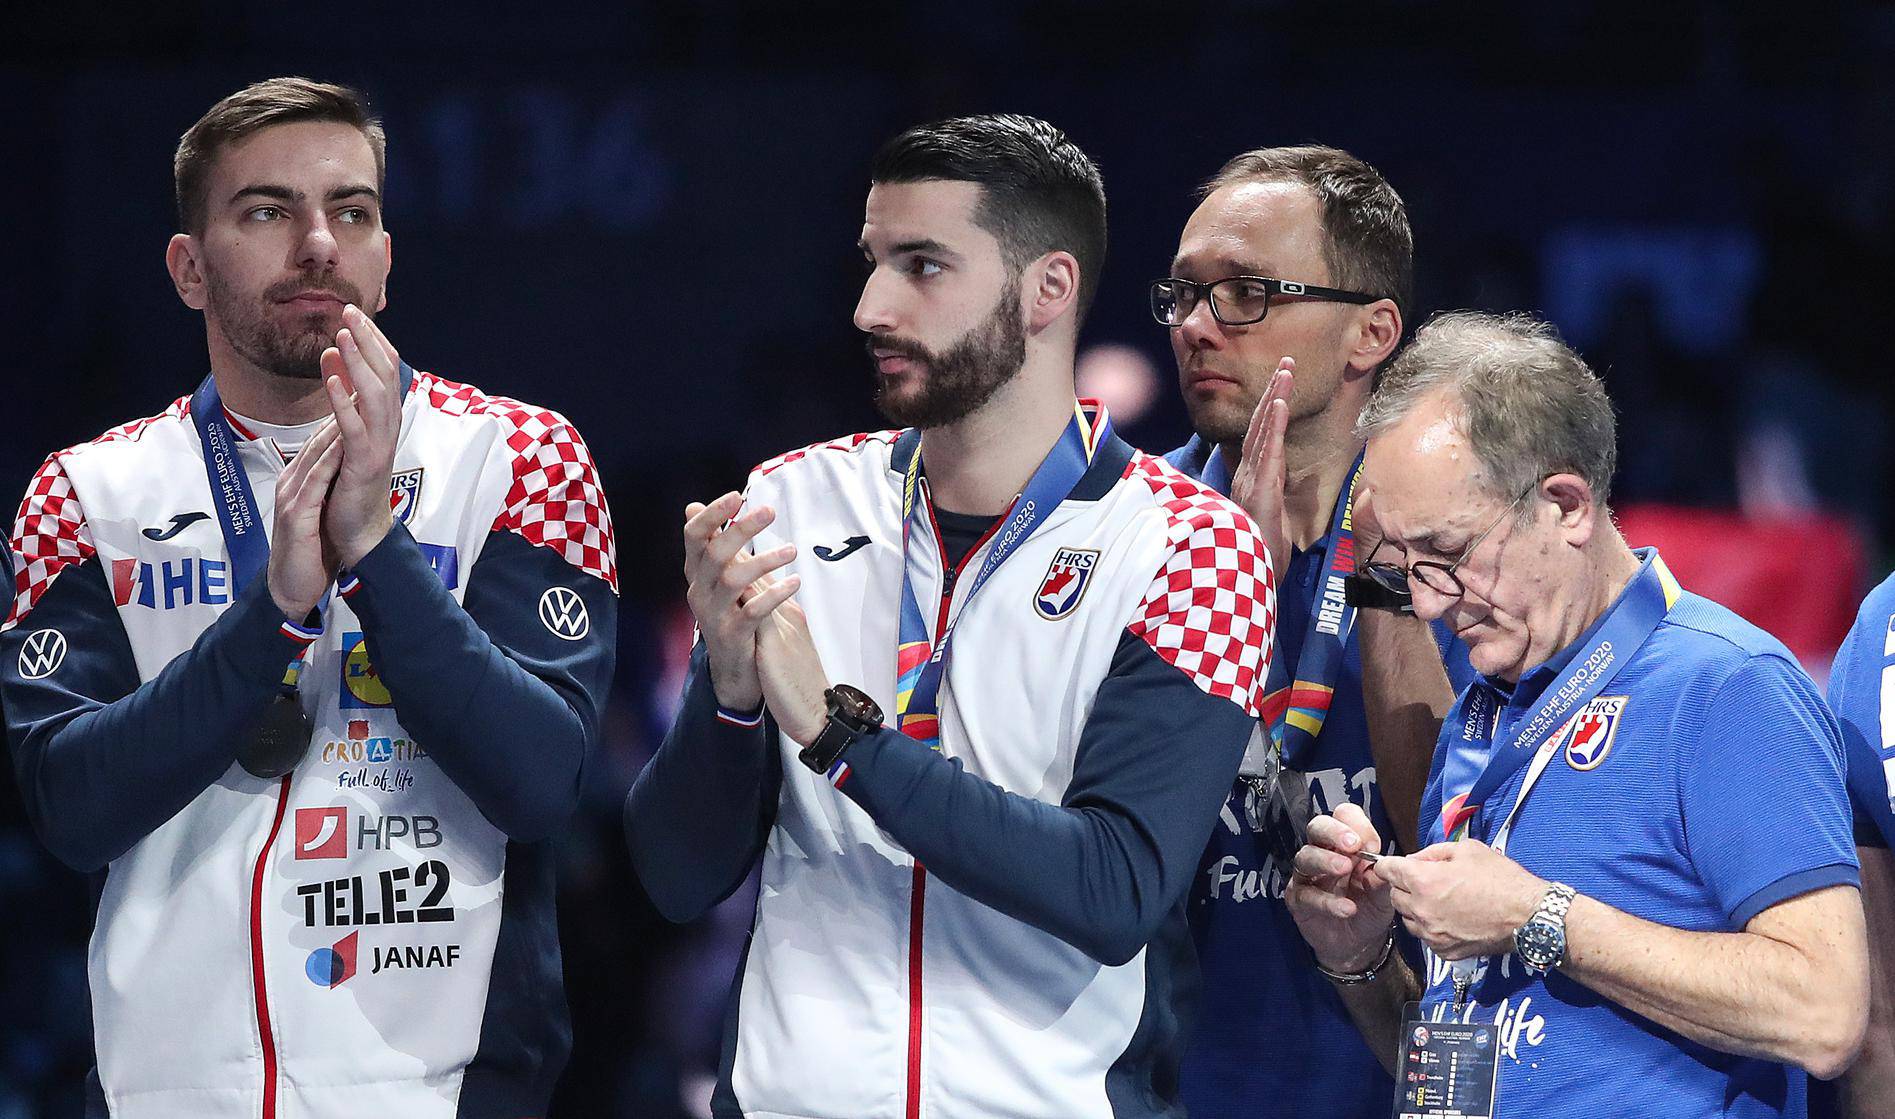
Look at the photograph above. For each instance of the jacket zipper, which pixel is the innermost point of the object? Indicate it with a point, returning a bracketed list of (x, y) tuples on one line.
[(917, 903), (264, 1034)]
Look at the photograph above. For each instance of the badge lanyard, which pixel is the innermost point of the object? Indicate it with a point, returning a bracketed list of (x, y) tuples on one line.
[(282, 733), (921, 665), (1646, 600), (1293, 713), (1296, 714), (1630, 622), (235, 502)]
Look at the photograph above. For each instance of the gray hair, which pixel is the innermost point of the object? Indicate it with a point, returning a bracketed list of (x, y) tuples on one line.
[(1527, 403)]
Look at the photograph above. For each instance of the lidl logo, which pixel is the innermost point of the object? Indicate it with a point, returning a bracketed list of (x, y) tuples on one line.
[(361, 683), (333, 966)]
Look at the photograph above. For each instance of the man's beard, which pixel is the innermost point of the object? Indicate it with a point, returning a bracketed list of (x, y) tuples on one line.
[(954, 384), (1216, 424), (251, 329)]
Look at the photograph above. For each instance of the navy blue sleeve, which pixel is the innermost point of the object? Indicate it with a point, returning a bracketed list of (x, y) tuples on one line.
[(697, 817), (1766, 815), (1101, 869), (524, 664), (1858, 680), (103, 760)]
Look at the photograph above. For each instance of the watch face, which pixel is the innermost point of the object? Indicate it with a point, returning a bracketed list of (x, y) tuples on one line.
[(1539, 944), (856, 703)]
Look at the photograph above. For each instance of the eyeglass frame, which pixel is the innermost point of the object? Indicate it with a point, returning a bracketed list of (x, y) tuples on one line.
[(1382, 572), (1274, 289)]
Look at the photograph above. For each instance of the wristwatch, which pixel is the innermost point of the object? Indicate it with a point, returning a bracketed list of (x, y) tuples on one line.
[(1541, 942), (1368, 593), (852, 714)]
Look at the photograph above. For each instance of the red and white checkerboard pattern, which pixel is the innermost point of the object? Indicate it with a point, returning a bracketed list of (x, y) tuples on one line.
[(1211, 611), (555, 500), (846, 443), (48, 535)]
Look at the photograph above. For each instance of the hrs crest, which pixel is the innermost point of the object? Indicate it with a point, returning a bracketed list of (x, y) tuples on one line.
[(1065, 582)]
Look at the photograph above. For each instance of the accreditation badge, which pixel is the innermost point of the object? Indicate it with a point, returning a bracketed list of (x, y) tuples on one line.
[(1448, 1070)]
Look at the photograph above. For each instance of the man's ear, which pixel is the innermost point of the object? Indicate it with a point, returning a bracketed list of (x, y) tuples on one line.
[(182, 260), (1578, 512), (1052, 289), (388, 256)]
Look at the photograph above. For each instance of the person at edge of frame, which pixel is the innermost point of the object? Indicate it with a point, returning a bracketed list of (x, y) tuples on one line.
[(305, 668), (1862, 694), (1638, 887), (972, 690)]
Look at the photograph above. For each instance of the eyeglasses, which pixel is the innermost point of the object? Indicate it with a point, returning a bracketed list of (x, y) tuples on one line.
[(1438, 577), (1238, 300)]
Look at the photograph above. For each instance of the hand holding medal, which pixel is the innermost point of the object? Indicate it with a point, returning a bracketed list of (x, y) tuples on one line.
[(1337, 896)]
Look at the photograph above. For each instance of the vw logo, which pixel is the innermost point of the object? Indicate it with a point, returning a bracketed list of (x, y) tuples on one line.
[(42, 654), (564, 613)]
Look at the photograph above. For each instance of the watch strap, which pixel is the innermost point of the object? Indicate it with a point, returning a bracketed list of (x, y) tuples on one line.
[(1551, 911), (852, 714), (834, 738)]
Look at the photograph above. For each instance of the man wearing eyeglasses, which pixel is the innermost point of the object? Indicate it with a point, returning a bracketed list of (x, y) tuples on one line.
[(1640, 878), (1285, 298)]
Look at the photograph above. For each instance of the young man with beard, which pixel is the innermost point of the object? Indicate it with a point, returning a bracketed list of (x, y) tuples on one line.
[(1285, 298), (973, 689), (312, 815)]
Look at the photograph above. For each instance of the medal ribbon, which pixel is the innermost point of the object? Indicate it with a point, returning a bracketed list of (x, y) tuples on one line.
[(244, 534), (921, 664), (1295, 714), (1477, 767), (231, 496)]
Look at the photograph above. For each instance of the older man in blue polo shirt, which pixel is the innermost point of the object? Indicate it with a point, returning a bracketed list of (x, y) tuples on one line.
[(1640, 891)]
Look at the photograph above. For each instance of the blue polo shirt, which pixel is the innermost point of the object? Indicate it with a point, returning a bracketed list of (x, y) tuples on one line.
[(1272, 1036), (1857, 684), (1717, 792)]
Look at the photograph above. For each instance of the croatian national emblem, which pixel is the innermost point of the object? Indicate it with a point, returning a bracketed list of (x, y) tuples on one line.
[(1589, 735), (1065, 582), (404, 490)]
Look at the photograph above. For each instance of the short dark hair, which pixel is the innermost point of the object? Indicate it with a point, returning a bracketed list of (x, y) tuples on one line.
[(251, 110), (1366, 240), (1039, 192)]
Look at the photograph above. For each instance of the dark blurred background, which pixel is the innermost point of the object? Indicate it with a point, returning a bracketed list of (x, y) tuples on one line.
[(643, 214)]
